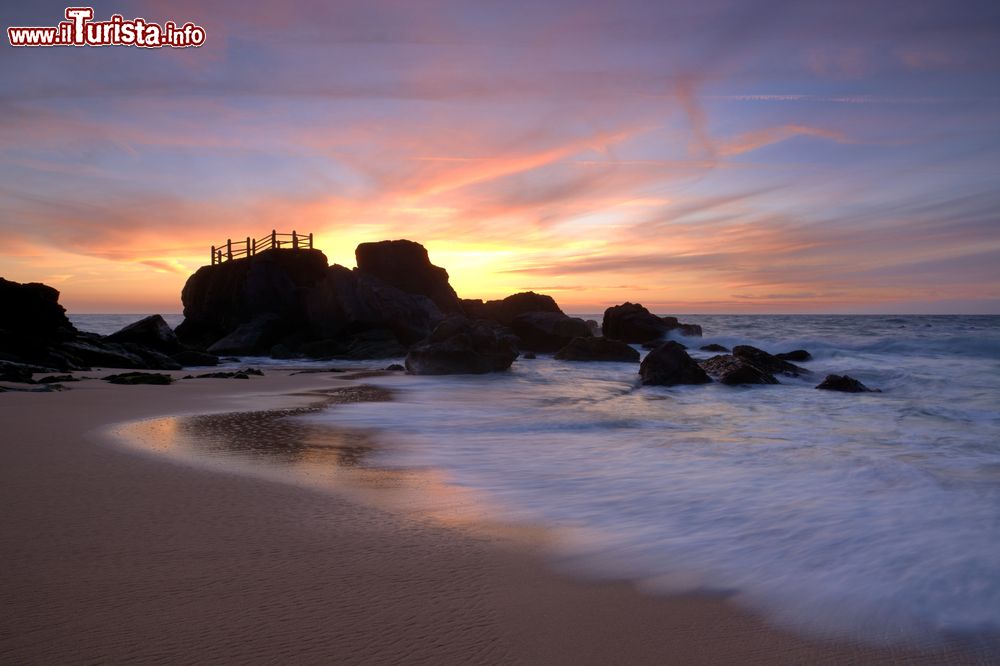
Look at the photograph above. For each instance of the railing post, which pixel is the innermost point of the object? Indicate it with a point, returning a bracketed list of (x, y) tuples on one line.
[(248, 246), (229, 249), (213, 255), (295, 240), (254, 248), (274, 238), (310, 240)]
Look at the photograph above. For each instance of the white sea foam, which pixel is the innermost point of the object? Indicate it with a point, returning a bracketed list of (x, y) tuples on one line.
[(870, 515)]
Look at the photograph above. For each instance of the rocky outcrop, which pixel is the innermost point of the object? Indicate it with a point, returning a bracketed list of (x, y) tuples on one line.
[(461, 346), (152, 332), (31, 323), (670, 365), (291, 304), (189, 358), (732, 370), (547, 331), (714, 348), (631, 322), (767, 362), (597, 349), (505, 310), (845, 384), (404, 264), (219, 299)]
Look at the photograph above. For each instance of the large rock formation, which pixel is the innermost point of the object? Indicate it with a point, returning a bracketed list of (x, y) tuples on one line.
[(631, 322), (670, 365), (220, 298), (461, 346), (289, 302), (405, 265)]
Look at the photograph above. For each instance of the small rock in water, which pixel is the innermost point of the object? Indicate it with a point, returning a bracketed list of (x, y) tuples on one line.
[(714, 348), (797, 355), (845, 384), (155, 378), (395, 367), (767, 362), (669, 365), (731, 370), (529, 355)]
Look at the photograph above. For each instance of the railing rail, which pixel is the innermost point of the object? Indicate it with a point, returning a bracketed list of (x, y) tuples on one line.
[(248, 247)]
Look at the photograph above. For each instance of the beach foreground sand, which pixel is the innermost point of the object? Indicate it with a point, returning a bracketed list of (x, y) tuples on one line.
[(110, 555)]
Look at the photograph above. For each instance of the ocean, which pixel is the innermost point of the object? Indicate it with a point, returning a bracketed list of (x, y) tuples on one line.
[(871, 516)]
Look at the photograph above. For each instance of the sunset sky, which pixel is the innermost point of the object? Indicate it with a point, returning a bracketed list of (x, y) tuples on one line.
[(702, 156)]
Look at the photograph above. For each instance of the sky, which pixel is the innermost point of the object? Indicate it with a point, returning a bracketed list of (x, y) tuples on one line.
[(694, 156)]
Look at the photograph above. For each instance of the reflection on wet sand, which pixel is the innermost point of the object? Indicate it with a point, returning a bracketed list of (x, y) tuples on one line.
[(276, 445)]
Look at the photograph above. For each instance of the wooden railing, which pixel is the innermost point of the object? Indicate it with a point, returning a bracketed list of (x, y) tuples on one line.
[(251, 246)]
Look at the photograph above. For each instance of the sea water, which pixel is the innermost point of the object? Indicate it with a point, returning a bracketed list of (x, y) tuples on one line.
[(873, 515)]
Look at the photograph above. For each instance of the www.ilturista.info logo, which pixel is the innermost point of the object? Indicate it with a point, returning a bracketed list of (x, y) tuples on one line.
[(80, 30)]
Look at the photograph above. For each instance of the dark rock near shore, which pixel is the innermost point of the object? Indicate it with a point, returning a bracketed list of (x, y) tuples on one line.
[(670, 365), (547, 331), (461, 346), (597, 349), (395, 367), (55, 379), (714, 348), (15, 372), (152, 332), (370, 344), (798, 355), (845, 384), (405, 265), (767, 362), (732, 370), (631, 322), (505, 310), (139, 378)]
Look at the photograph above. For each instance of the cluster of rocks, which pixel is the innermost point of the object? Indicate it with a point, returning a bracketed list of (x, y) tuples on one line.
[(291, 304)]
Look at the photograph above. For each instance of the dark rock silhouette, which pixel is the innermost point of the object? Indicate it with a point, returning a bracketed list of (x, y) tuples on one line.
[(767, 362), (547, 331), (505, 310), (714, 348), (733, 370), (16, 372), (219, 299), (152, 332), (798, 355), (597, 349), (631, 322), (291, 304), (845, 384), (670, 365), (404, 264), (139, 378), (461, 346)]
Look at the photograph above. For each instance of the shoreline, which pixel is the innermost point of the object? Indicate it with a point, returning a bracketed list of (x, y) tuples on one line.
[(111, 544)]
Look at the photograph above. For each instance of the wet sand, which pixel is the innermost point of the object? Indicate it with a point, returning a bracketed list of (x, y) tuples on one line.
[(111, 554)]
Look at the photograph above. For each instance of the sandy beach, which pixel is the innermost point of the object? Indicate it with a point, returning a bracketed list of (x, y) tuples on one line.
[(111, 556)]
